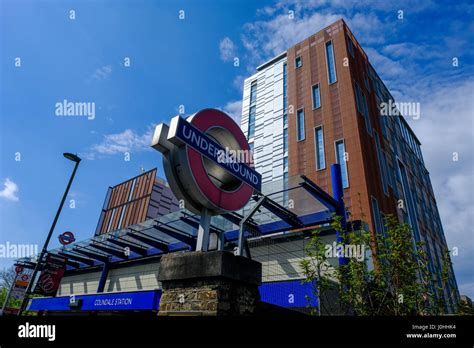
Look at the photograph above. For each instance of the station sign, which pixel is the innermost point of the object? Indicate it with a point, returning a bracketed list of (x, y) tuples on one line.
[(190, 135), (66, 238), (208, 162)]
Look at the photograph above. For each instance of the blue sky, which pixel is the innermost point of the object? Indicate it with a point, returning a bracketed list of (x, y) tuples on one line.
[(189, 62)]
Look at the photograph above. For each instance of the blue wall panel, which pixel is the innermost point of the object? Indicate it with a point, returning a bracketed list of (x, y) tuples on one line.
[(287, 294)]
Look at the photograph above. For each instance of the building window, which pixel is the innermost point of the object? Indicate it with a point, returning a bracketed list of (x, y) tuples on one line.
[(253, 93), (252, 109), (376, 215), (406, 190), (285, 164), (331, 63), (285, 96), (316, 96), (382, 164), (350, 46), (341, 159), (367, 83), (285, 140), (300, 124), (366, 114), (319, 143), (298, 62), (251, 148), (362, 107), (285, 84), (252, 115)]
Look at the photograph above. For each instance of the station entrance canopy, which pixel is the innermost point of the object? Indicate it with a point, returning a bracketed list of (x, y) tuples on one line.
[(295, 205)]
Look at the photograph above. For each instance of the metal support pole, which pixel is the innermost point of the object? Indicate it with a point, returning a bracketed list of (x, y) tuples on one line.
[(247, 249), (103, 277), (221, 241), (8, 294), (240, 248), (338, 195), (48, 238), (203, 231)]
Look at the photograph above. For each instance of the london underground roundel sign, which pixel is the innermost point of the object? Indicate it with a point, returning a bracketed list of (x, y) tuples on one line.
[(207, 161), (66, 238)]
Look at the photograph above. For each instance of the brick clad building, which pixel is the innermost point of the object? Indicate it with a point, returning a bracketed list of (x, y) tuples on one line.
[(319, 103)]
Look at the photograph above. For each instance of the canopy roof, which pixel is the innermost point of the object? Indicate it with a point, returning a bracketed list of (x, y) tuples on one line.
[(283, 207)]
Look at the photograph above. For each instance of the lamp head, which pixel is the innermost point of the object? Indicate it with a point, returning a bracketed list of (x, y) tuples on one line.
[(72, 157)]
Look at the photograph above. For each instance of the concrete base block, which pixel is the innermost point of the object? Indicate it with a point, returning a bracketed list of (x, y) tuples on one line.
[(215, 283)]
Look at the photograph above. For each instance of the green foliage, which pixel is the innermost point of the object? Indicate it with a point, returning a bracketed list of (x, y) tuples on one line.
[(316, 270), (12, 302), (398, 284), (464, 309)]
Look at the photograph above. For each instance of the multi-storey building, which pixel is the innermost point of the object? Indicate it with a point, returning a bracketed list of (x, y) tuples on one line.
[(319, 103), (135, 200), (263, 115)]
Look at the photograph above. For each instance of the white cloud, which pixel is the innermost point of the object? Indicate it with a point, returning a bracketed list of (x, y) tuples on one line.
[(227, 49), (267, 38), (351, 6), (445, 127), (367, 28), (119, 143), (234, 110), (102, 73), (238, 82), (385, 66), (10, 190)]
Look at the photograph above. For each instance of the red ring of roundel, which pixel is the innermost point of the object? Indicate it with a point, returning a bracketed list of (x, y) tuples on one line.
[(67, 240), (229, 201)]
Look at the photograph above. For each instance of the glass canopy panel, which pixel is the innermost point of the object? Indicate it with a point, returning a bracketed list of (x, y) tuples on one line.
[(290, 196)]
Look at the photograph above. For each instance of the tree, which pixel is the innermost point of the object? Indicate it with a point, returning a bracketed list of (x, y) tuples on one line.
[(317, 273), (445, 284), (397, 285), (464, 308), (7, 277)]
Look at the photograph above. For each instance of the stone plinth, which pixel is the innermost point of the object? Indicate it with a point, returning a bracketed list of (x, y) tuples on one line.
[(215, 283)]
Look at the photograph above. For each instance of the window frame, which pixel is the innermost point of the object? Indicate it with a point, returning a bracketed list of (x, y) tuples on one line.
[(297, 126), (350, 46), (319, 93), (250, 123), (316, 147), (327, 61), (337, 159), (377, 215), (300, 58)]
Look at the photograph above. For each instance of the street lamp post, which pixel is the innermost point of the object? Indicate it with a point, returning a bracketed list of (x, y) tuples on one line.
[(75, 159)]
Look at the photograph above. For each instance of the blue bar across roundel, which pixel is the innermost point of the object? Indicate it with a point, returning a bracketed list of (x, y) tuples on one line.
[(207, 147)]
